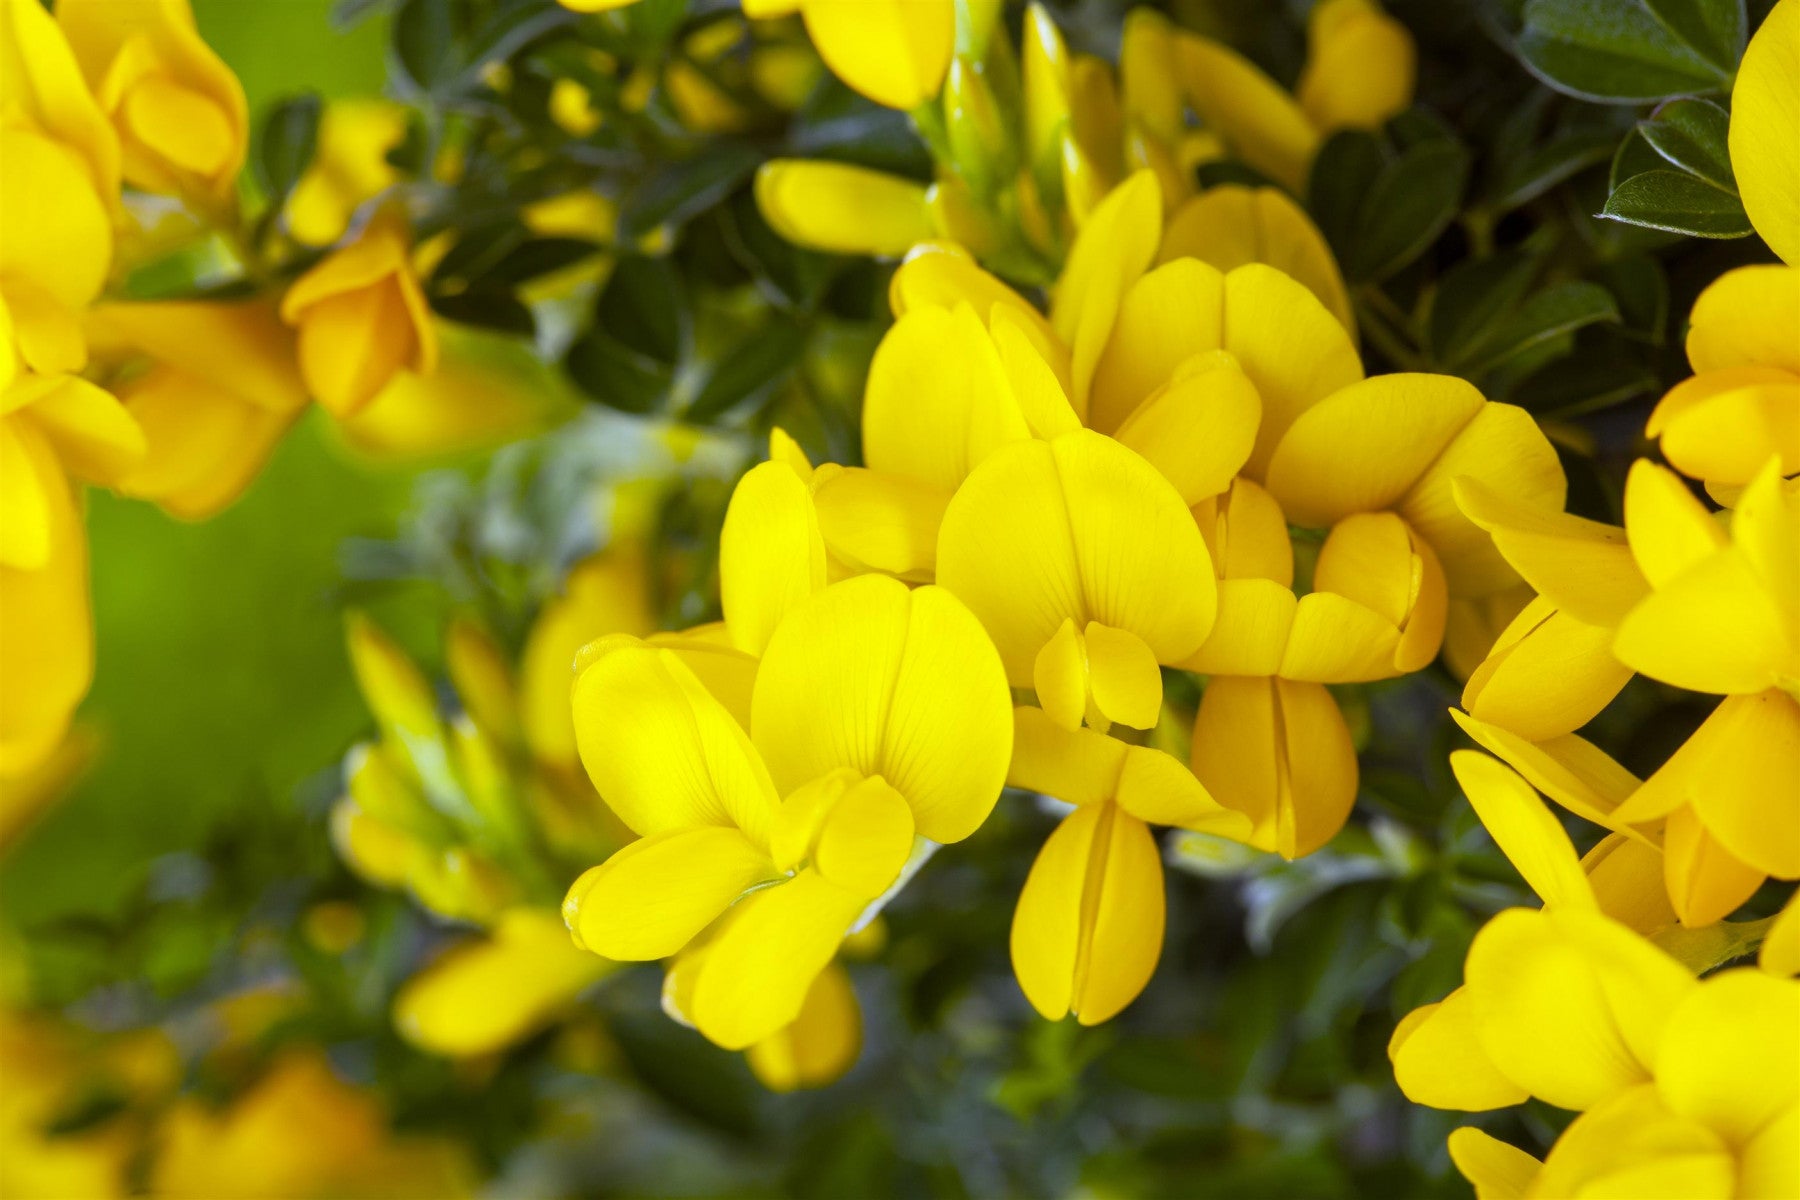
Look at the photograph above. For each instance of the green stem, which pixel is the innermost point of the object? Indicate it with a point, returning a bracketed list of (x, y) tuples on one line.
[(1710, 946)]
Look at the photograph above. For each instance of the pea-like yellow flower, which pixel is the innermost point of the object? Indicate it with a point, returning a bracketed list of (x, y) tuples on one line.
[(878, 715), (362, 318), (491, 991), (179, 112), (349, 166), (1571, 1005), (1675, 597), (895, 52), (1764, 158), (1360, 67), (299, 1131), (214, 387), (1088, 929), (822, 1043)]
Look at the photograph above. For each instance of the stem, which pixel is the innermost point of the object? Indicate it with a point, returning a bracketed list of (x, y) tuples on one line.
[(1379, 320), (1701, 950)]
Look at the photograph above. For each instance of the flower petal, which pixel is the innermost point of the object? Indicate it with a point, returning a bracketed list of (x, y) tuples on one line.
[(771, 553), (1336, 640), (1291, 347), (1363, 448), (1262, 123), (1532, 839), (1114, 248), (1570, 770), (842, 209), (1249, 636), (1547, 675), (1765, 106), (873, 521), (1199, 428), (895, 52), (1746, 317), (821, 1044), (938, 401), (1718, 1059), (1166, 317), (651, 898), (1496, 1170), (1439, 1061), (1724, 425), (1668, 528), (663, 753), (904, 685), (1231, 225), (1583, 567), (760, 965), (1360, 66)]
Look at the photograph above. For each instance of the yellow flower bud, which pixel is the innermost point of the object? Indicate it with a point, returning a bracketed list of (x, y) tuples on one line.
[(842, 209), (362, 318), (349, 166), (178, 110)]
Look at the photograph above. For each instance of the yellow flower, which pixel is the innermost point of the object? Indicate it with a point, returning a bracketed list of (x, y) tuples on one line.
[(1743, 403), (878, 715), (1675, 597), (895, 52), (488, 992), (362, 318), (821, 1044), (299, 1131), (213, 386), (178, 110), (1569, 1004), (1359, 71), (349, 166), (842, 209), (1088, 929), (1764, 158)]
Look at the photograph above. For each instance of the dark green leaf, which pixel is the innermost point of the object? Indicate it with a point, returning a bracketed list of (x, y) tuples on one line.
[(1413, 199), (1343, 172), (1640, 286), (1714, 29), (643, 307), (513, 24), (1634, 156), (1472, 298), (1608, 372), (754, 366), (653, 23), (538, 256), (792, 276), (425, 37), (475, 252), (1677, 203), (681, 190), (489, 308), (1611, 51), (1553, 312), (1545, 166), (285, 148), (1692, 134), (616, 375)]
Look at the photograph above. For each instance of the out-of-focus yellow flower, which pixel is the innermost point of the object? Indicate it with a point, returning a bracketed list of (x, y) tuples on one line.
[(349, 166), (895, 52), (1359, 72), (842, 209), (822, 1043), (1088, 929), (489, 992), (1764, 100), (214, 387), (879, 715), (480, 389), (42, 89), (300, 1131), (1572, 1006), (178, 110), (362, 318), (1677, 598), (606, 593)]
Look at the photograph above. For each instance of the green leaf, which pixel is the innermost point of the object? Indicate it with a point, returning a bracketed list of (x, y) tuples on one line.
[(1607, 372), (285, 147), (536, 257), (1343, 172), (644, 307), (1639, 284), (753, 367), (616, 375), (1472, 299), (1613, 51), (1411, 202), (1545, 166), (679, 191), (487, 308), (1553, 312), (1714, 29), (1634, 156), (1677, 203), (1692, 134), (425, 43)]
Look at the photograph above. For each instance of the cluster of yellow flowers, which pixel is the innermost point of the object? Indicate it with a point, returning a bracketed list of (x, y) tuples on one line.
[(124, 137), (1686, 1086), (294, 1129), (1057, 508), (1027, 150)]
